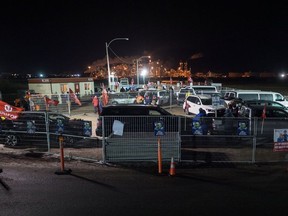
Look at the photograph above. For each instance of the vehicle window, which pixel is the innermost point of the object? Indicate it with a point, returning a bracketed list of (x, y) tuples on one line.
[(137, 112), (183, 91), (191, 99), (276, 105), (207, 101), (266, 97), (244, 96), (279, 113), (204, 89), (230, 94), (132, 94), (197, 101), (111, 112), (154, 112), (113, 96), (279, 97), (54, 117)]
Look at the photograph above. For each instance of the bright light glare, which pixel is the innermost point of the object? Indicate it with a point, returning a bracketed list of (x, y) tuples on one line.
[(144, 72)]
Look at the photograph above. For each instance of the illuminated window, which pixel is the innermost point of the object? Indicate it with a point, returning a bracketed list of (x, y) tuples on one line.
[(64, 88)]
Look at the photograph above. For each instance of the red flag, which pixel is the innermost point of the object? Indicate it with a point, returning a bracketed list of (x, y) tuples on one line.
[(264, 112), (74, 97), (8, 111), (49, 101)]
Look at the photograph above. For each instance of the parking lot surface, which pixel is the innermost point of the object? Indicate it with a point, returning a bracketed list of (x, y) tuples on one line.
[(30, 186)]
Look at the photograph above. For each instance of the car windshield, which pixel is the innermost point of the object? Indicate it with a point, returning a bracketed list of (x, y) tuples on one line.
[(206, 101)]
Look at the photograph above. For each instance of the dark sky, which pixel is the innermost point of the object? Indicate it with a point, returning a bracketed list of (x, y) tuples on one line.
[(222, 36)]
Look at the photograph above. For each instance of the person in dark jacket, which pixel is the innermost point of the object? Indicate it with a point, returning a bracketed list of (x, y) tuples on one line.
[(199, 126)]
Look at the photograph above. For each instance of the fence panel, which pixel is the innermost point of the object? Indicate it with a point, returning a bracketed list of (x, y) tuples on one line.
[(139, 141)]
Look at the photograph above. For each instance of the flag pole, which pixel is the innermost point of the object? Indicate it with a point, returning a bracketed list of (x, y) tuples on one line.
[(262, 126), (263, 117)]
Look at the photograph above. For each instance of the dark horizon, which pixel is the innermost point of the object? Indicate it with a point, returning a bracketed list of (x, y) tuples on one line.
[(68, 36)]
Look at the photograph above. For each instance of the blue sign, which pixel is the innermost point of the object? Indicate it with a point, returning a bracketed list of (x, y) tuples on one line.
[(59, 126), (31, 128), (243, 129), (197, 128), (159, 128), (87, 129)]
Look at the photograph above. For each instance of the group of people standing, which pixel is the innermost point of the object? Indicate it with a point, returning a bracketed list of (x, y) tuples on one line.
[(99, 102)]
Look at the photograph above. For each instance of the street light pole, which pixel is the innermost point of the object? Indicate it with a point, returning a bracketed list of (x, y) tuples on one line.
[(137, 67), (107, 55)]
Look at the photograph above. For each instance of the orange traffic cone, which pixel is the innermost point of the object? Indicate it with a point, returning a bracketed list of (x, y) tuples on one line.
[(172, 170)]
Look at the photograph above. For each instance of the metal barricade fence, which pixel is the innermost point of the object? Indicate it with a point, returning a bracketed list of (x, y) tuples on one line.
[(233, 140), (244, 141), (40, 131), (140, 138)]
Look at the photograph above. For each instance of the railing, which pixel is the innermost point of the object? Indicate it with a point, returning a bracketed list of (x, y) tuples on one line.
[(255, 142)]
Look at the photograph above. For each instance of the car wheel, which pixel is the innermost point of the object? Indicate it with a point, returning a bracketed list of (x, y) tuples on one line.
[(11, 140)]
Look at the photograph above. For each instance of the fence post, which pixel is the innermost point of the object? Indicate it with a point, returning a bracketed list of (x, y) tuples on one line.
[(62, 170), (159, 156)]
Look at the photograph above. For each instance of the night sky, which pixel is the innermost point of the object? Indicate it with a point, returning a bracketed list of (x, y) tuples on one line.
[(67, 36)]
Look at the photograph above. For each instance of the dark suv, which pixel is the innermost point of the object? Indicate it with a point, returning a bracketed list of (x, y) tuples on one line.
[(136, 118), (32, 127)]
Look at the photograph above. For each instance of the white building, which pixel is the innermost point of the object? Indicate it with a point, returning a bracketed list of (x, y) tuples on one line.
[(47, 86)]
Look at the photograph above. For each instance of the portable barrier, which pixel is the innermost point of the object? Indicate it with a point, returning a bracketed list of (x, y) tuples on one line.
[(140, 138), (40, 131), (256, 142)]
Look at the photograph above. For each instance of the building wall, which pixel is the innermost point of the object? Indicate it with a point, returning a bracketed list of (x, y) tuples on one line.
[(42, 88), (62, 85)]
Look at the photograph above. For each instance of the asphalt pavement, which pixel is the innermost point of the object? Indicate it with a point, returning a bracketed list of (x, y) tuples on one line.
[(36, 186)]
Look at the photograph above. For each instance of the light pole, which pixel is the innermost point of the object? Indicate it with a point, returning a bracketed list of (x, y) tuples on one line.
[(144, 73), (108, 64), (137, 67)]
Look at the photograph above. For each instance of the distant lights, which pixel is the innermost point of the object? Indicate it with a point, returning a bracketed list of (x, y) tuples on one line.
[(283, 75)]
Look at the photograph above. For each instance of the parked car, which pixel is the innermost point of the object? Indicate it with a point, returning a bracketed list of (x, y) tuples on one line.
[(136, 118), (157, 97), (255, 95), (122, 97), (183, 92), (193, 103), (275, 118), (195, 89), (250, 103), (32, 127)]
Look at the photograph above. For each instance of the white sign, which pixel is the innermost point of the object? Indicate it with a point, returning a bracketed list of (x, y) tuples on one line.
[(118, 128)]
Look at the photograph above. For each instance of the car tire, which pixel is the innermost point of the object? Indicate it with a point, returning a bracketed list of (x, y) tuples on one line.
[(11, 140)]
